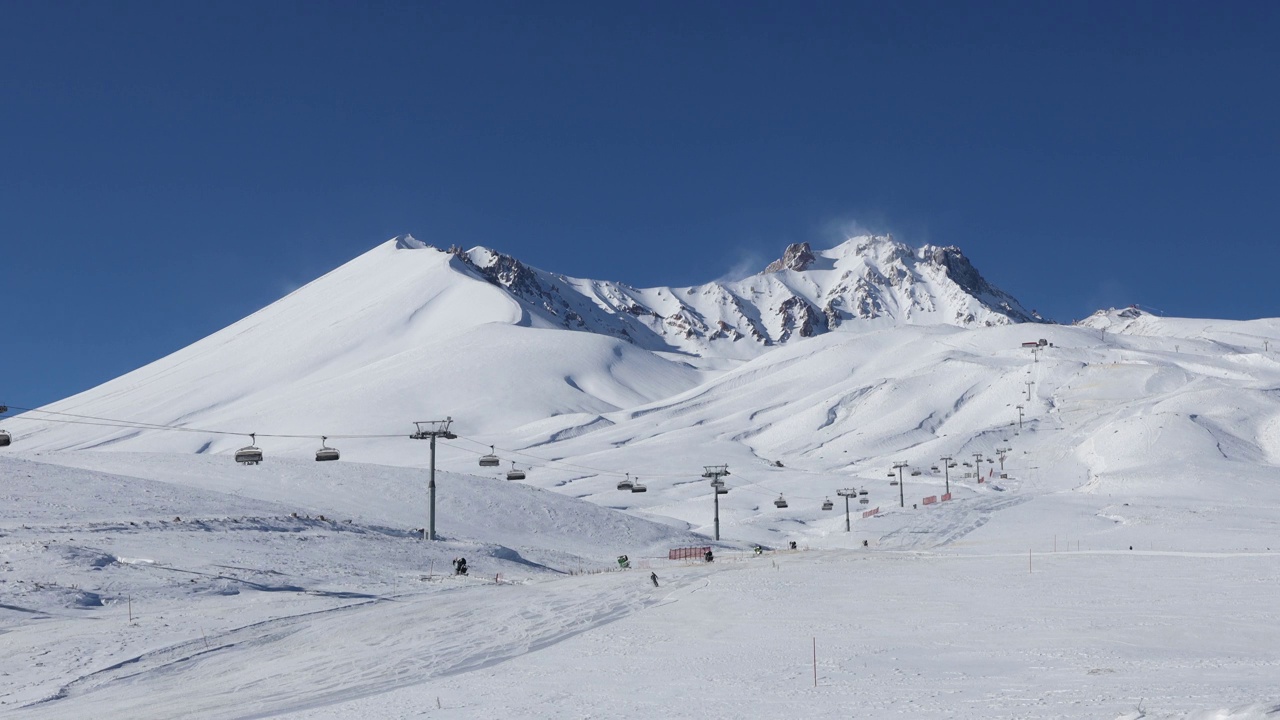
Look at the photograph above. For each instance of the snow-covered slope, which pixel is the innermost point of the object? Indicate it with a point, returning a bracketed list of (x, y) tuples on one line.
[(400, 332)]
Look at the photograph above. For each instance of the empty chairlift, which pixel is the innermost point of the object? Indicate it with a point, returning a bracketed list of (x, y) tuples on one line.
[(515, 473), (489, 460), (326, 453), (637, 487), (827, 504), (780, 503), (5, 438), (626, 484), (249, 455)]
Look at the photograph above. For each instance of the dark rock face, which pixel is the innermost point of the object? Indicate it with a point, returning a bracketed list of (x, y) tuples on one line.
[(964, 274), (798, 256), (799, 317), (960, 270)]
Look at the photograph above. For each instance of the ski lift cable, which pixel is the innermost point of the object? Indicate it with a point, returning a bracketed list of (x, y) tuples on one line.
[(755, 488), (139, 425)]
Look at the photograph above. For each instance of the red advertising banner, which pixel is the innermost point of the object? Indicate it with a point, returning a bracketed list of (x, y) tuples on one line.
[(872, 511), (685, 553), (945, 498), (930, 500)]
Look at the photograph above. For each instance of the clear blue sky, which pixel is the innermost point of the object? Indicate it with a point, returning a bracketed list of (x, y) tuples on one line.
[(167, 168)]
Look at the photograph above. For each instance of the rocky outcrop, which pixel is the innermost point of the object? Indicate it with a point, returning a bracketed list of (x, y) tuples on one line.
[(797, 256)]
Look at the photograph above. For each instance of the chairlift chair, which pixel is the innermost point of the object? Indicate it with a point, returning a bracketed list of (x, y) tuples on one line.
[(893, 482), (827, 504), (893, 474), (862, 492), (326, 453), (625, 484), (250, 455), (489, 460), (864, 501), (722, 490), (5, 438), (781, 502), (637, 487), (933, 468), (915, 473), (514, 473)]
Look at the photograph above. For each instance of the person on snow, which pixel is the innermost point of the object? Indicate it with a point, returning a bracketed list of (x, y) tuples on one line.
[(654, 577), (708, 556), (460, 566), (759, 550)]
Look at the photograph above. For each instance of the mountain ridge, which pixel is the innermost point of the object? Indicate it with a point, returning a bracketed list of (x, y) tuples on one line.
[(803, 294)]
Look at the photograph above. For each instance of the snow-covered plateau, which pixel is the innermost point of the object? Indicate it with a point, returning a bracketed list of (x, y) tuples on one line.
[(1058, 521)]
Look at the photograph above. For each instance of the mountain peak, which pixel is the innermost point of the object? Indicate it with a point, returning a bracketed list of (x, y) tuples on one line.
[(797, 256)]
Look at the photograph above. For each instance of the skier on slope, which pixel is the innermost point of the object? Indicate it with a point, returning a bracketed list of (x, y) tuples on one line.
[(654, 577)]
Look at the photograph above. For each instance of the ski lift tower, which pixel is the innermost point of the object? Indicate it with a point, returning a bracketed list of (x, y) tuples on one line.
[(716, 473), (902, 499), (847, 493), (430, 430)]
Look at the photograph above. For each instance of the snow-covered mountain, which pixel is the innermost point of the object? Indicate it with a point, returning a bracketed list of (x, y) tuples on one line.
[(1133, 455), (407, 329), (800, 295), (581, 382)]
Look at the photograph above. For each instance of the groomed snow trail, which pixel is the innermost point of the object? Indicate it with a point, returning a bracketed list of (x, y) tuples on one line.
[(359, 649)]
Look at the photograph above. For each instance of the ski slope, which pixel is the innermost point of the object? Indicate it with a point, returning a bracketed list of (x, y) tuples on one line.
[(238, 609)]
